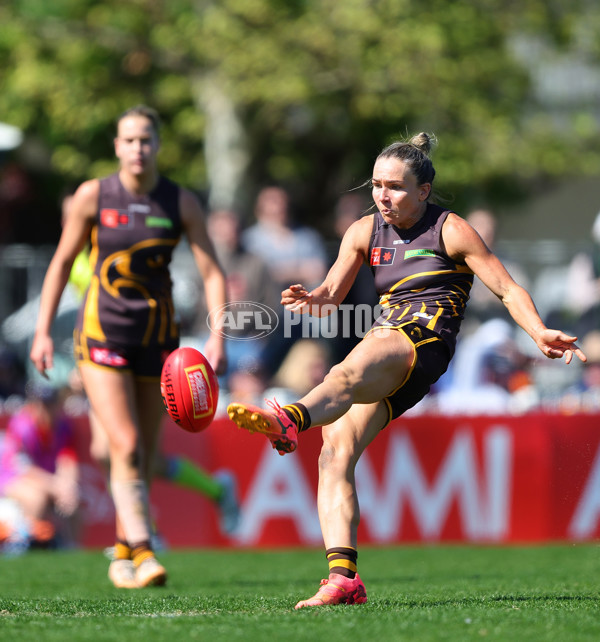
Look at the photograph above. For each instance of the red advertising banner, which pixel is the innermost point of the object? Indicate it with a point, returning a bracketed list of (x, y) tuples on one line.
[(424, 479)]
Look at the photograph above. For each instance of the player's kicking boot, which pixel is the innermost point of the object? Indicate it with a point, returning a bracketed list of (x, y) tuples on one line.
[(337, 590), (275, 424)]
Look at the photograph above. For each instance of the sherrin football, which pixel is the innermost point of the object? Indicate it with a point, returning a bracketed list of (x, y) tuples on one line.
[(189, 389)]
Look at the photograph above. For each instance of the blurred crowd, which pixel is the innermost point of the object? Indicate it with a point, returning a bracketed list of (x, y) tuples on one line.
[(496, 369)]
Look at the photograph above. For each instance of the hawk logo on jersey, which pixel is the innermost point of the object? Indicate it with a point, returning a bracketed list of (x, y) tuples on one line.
[(383, 255), (114, 218), (416, 333)]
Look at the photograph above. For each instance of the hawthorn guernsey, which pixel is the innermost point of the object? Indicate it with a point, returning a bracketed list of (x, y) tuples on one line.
[(189, 389)]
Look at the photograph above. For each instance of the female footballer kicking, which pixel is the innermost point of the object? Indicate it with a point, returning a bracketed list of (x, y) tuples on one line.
[(423, 258)]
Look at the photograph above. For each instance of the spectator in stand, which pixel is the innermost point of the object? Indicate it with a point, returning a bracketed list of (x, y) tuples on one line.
[(16, 203), (39, 468), (247, 274), (583, 286), (248, 382), (488, 375), (292, 253), (584, 275), (304, 367), (584, 396), (12, 374), (502, 383), (248, 280)]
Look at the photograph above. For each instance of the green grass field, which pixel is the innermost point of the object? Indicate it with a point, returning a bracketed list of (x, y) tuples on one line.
[(415, 593)]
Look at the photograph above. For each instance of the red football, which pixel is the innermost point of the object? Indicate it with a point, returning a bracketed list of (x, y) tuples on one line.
[(189, 389)]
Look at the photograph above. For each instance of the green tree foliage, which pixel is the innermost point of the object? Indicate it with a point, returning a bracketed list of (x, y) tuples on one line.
[(319, 87)]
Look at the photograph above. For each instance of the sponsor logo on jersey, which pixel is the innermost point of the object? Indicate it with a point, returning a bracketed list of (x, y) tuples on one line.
[(114, 218), (400, 241), (383, 255), (159, 221), (106, 357), (409, 254)]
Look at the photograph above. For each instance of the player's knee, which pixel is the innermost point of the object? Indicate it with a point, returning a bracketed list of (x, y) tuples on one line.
[(335, 458), (126, 450), (100, 454), (326, 456), (343, 376)]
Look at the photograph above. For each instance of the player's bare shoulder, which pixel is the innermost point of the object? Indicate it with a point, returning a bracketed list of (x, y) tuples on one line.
[(459, 237), (85, 199), (190, 208), (358, 234)]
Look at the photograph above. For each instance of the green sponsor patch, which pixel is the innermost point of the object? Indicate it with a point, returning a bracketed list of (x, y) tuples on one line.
[(158, 221), (410, 253)]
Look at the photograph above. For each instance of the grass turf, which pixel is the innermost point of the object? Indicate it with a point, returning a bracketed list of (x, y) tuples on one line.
[(419, 594)]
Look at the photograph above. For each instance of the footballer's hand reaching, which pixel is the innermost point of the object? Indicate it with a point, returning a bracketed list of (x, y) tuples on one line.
[(556, 344), (296, 298)]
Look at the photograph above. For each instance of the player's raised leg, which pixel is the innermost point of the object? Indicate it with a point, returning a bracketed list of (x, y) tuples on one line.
[(366, 375)]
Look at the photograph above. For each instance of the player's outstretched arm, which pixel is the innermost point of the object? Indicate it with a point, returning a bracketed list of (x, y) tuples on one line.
[(464, 244)]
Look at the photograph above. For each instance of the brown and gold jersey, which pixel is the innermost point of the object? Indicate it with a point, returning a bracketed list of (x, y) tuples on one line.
[(414, 277), (129, 299)]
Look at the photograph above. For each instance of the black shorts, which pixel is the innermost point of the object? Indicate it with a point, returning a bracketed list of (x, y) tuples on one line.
[(143, 362), (432, 357)]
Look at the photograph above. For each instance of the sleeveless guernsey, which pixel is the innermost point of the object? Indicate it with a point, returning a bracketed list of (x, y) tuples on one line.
[(415, 279), (129, 300)]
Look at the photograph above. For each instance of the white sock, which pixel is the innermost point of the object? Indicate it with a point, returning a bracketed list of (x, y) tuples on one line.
[(131, 505)]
